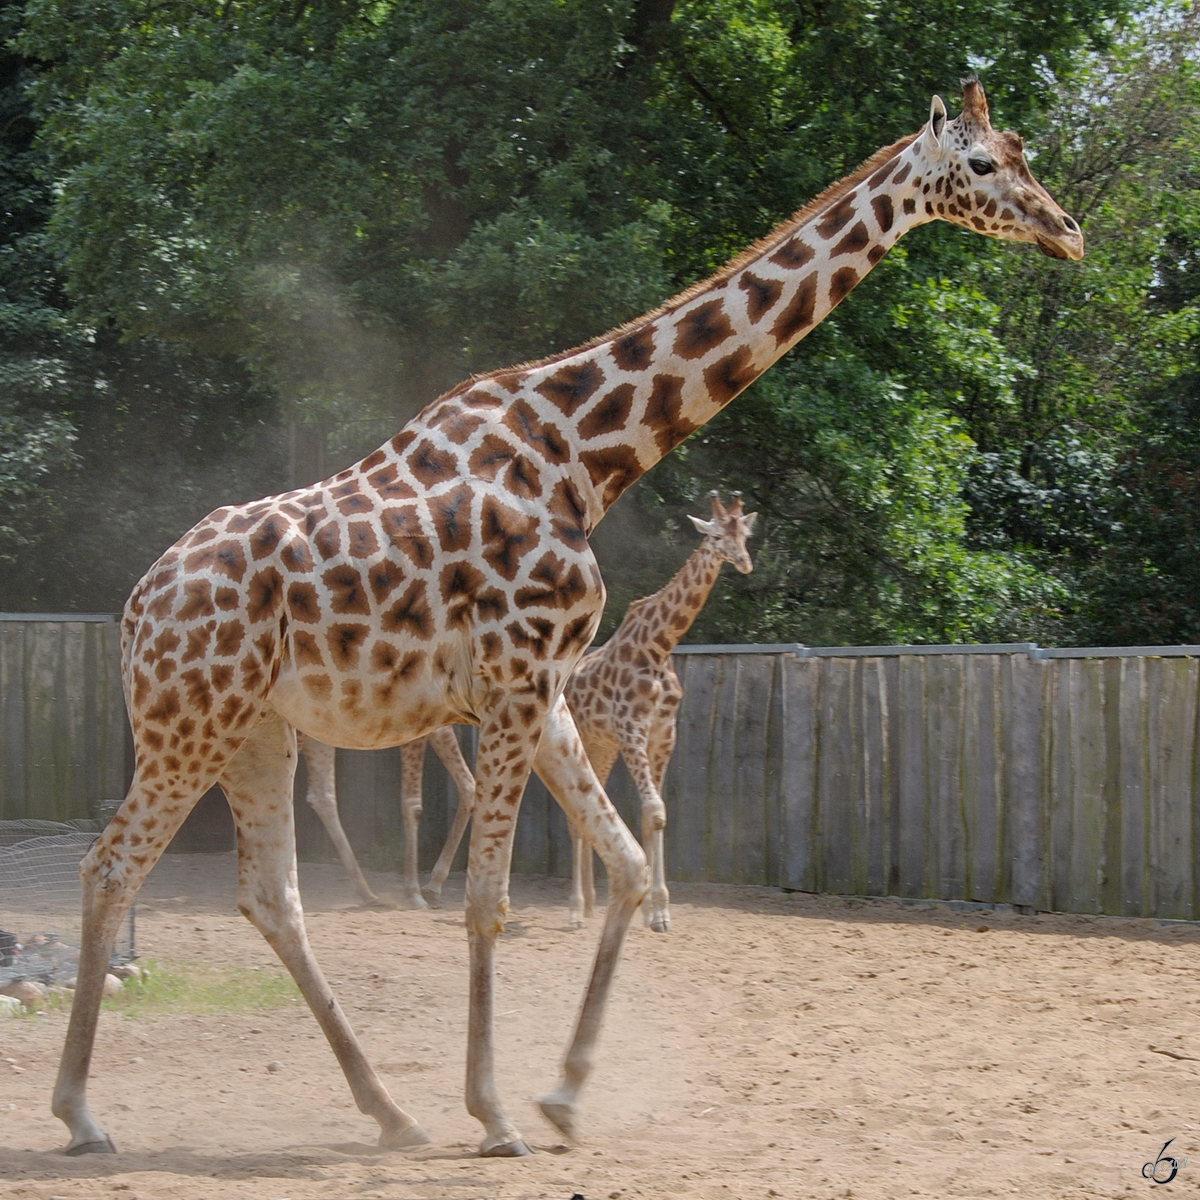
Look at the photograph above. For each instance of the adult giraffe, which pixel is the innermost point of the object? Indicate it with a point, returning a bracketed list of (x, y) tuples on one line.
[(447, 577)]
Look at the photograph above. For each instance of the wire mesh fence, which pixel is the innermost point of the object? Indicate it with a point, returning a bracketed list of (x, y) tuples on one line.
[(40, 901)]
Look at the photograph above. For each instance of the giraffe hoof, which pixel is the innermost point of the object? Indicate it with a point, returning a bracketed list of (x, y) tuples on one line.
[(382, 903), (574, 921), (404, 1139), (516, 1149), (432, 898), (661, 926), (97, 1146), (414, 900), (559, 1114)]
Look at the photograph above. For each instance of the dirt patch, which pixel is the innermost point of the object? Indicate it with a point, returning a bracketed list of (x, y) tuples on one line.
[(770, 1045)]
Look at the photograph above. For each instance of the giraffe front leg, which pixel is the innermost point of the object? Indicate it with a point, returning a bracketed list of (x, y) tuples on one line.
[(583, 878), (446, 745), (647, 762), (258, 785), (321, 795), (581, 861), (507, 741), (564, 767), (412, 777), (110, 875)]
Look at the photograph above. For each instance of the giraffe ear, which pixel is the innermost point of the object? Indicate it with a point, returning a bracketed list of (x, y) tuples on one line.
[(936, 126), (750, 519), (705, 527)]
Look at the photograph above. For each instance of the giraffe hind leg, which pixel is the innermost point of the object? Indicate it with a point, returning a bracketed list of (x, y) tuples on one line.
[(110, 876), (565, 769), (258, 785), (412, 776), (445, 743), (321, 795)]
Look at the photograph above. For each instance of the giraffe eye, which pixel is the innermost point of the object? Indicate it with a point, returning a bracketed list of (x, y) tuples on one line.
[(981, 166)]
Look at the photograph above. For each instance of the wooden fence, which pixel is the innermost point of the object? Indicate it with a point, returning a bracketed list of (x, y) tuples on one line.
[(1054, 779), (62, 715)]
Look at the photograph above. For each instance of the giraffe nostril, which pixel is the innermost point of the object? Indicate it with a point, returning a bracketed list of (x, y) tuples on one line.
[(1069, 223)]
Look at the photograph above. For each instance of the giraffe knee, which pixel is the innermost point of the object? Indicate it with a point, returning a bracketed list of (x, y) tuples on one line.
[(654, 816)]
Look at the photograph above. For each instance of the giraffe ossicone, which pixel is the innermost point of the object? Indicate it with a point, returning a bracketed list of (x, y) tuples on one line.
[(447, 577)]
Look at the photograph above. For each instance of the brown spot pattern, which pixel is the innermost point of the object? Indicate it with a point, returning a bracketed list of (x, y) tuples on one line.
[(761, 295), (838, 217), (609, 414), (611, 470), (793, 254), (539, 435), (571, 386), (508, 535), (344, 642), (699, 330), (634, 351), (347, 593), (730, 375), (403, 529), (431, 465), (854, 242), (842, 283), (411, 613), (197, 600), (568, 515), (799, 311), (664, 413), (554, 585), (264, 594), (451, 513)]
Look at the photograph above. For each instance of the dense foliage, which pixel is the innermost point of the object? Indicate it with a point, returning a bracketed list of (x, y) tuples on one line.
[(236, 231)]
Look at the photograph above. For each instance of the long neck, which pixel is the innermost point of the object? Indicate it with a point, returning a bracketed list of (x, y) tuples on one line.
[(626, 401), (659, 621)]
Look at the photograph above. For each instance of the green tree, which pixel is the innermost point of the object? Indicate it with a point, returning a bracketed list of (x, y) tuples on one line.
[(365, 202)]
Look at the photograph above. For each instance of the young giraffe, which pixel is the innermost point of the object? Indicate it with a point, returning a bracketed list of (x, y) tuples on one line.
[(447, 578), (321, 794), (625, 697)]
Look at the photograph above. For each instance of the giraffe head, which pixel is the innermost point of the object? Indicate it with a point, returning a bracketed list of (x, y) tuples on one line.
[(728, 531), (977, 177)]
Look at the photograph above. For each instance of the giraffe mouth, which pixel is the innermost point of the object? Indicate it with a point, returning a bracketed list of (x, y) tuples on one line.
[(1050, 250)]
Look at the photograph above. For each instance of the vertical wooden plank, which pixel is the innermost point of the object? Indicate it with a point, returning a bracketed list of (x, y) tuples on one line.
[(876, 784), (69, 723), (800, 692), (687, 777), (747, 816), (895, 758), (1172, 718), (42, 654), (13, 759), (1088, 771), (913, 779), (946, 868), (721, 782), (1023, 749), (1132, 749), (981, 780), (838, 777), (1060, 685), (773, 769), (1110, 889)]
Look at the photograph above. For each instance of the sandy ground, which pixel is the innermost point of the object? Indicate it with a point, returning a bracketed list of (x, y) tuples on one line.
[(770, 1045)]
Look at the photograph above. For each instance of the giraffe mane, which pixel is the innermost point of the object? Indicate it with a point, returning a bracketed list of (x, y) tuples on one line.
[(755, 250)]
